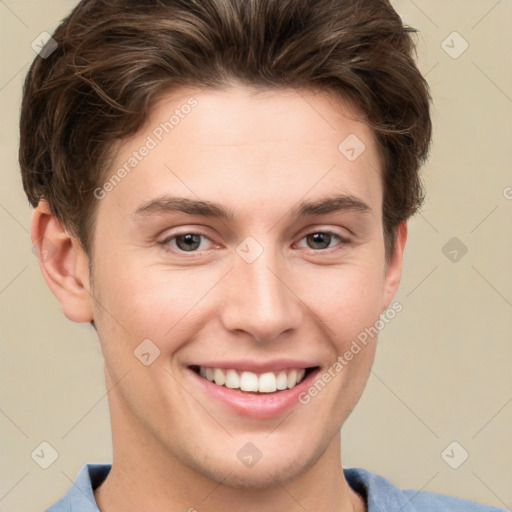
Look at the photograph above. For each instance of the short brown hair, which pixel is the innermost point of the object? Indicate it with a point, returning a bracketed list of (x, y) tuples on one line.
[(115, 58)]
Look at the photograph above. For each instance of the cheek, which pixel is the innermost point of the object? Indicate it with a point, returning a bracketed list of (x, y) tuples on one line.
[(153, 302), (163, 303), (347, 299)]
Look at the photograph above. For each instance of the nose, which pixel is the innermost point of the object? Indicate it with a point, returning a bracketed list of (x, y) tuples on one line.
[(260, 298)]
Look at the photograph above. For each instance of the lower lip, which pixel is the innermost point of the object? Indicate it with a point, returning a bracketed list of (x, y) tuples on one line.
[(261, 405)]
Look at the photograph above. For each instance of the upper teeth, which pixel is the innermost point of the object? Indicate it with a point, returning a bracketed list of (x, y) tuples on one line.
[(249, 381)]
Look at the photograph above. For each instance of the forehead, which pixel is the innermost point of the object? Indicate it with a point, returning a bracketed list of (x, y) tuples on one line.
[(248, 147)]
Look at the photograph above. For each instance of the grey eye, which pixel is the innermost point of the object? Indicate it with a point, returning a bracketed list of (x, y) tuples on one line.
[(188, 241), (319, 240)]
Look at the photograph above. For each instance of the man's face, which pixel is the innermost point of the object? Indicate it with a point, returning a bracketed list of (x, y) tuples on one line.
[(265, 290)]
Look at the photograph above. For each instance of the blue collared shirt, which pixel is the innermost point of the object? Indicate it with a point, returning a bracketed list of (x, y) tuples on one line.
[(380, 494)]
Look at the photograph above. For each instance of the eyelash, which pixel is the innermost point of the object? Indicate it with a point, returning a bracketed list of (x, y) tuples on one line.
[(165, 243)]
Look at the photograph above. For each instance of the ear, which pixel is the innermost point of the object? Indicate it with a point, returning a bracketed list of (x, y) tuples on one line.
[(393, 269), (63, 263)]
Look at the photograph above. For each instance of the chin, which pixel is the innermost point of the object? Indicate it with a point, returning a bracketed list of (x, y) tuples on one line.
[(265, 474)]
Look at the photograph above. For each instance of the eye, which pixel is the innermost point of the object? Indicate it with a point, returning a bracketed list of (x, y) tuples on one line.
[(192, 242), (319, 240), (185, 242)]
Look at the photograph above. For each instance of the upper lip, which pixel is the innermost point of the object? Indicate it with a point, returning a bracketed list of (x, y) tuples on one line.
[(250, 365)]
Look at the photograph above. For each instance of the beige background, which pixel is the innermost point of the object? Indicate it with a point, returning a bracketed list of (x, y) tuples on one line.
[(443, 370)]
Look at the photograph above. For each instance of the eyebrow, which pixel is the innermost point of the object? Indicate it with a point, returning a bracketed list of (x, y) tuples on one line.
[(170, 204)]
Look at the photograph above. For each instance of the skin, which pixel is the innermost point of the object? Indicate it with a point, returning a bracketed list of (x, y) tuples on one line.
[(258, 154)]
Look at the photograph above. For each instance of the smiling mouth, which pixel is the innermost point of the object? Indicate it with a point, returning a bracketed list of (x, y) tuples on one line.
[(250, 382)]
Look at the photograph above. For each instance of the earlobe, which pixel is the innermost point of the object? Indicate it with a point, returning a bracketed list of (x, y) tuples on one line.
[(63, 263), (394, 266)]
